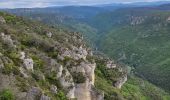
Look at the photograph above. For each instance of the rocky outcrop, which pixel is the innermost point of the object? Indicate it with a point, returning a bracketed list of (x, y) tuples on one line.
[(28, 63), (49, 34), (89, 70), (135, 20), (44, 97), (45, 68), (53, 89), (75, 53), (110, 65), (120, 82), (33, 94), (6, 39), (2, 20)]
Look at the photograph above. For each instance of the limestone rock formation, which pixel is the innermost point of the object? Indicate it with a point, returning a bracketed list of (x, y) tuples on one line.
[(2, 20), (49, 34), (33, 93), (135, 20), (6, 39), (28, 63), (120, 82), (43, 97), (59, 65), (110, 65), (53, 89)]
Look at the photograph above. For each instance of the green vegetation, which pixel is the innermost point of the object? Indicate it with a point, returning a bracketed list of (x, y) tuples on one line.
[(79, 77), (137, 37), (139, 89), (61, 96), (6, 95)]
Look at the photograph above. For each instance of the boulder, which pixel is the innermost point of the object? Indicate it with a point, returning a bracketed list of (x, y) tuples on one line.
[(53, 89), (60, 70), (49, 34), (7, 40), (22, 55), (33, 93), (44, 97), (2, 20), (28, 63)]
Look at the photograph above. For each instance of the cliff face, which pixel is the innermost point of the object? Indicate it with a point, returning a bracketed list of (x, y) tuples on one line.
[(42, 63)]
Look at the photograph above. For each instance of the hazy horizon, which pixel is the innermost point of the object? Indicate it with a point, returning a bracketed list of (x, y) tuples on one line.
[(44, 3)]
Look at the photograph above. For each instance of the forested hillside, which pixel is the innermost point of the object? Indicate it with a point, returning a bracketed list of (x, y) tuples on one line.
[(137, 37)]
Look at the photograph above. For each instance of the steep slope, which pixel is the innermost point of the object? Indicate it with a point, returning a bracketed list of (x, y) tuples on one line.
[(72, 17), (142, 41), (129, 35), (38, 62)]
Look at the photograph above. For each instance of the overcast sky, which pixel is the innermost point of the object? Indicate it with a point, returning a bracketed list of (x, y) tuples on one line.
[(45, 3)]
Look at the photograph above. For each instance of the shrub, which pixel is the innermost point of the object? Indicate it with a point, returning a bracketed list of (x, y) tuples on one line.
[(53, 54), (79, 77), (38, 63), (8, 68), (61, 96), (6, 95), (53, 80)]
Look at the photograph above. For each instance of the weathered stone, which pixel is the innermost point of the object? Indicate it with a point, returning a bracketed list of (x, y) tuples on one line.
[(89, 70), (120, 82), (82, 91), (96, 95), (2, 20), (33, 93), (28, 63), (71, 93), (23, 72), (49, 34), (22, 55), (7, 40), (75, 53), (43, 97), (60, 70), (53, 89), (110, 65), (1, 64), (135, 20)]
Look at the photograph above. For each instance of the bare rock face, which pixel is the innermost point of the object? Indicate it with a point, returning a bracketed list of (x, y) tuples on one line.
[(60, 69), (120, 82), (53, 89), (1, 63), (33, 94), (110, 65), (82, 91), (49, 34), (22, 57), (6, 39), (43, 97), (67, 82), (96, 95), (89, 70), (28, 63), (75, 53), (2, 20), (136, 20), (168, 19), (71, 93)]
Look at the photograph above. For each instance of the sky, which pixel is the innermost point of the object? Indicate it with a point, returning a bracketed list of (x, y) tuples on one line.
[(47, 3)]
